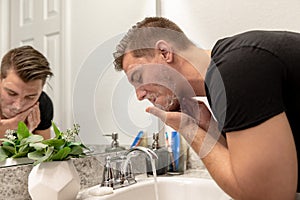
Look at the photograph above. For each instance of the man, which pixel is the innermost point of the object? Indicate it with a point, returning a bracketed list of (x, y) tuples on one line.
[(252, 83), (24, 72)]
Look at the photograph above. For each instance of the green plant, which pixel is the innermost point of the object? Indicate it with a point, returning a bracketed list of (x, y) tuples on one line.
[(22, 143)]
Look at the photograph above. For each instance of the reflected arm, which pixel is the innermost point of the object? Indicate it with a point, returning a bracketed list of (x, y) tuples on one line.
[(45, 133)]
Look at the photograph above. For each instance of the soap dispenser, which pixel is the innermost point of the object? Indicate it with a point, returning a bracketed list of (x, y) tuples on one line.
[(162, 163), (114, 144), (155, 144)]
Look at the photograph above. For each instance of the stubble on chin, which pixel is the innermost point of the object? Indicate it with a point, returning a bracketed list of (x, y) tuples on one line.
[(4, 116), (174, 107), (10, 114)]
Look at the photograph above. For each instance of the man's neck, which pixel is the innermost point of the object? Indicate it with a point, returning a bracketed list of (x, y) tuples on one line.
[(196, 62)]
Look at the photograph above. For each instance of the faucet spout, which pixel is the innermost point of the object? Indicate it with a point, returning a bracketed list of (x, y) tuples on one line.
[(152, 156), (150, 153)]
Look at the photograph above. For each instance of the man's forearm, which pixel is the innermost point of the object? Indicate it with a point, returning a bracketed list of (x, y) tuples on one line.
[(217, 160)]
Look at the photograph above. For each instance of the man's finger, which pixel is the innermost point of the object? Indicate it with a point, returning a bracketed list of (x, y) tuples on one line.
[(22, 116), (157, 112)]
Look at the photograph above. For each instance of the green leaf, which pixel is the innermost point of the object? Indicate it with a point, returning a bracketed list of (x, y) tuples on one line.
[(20, 154), (2, 158), (22, 131), (40, 156), (49, 152), (36, 155), (24, 149), (38, 146), (56, 130), (56, 143), (32, 139), (61, 154), (3, 154), (85, 147), (7, 142), (74, 144), (10, 149), (76, 150), (78, 144)]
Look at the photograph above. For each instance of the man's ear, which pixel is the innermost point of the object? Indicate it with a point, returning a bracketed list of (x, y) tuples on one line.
[(165, 50)]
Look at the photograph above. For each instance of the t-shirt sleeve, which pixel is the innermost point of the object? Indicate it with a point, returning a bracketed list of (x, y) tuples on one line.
[(46, 111), (253, 81)]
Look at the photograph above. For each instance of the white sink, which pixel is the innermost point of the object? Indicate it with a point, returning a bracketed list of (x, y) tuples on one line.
[(169, 188)]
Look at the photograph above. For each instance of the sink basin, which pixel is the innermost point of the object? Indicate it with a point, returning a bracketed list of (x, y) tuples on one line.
[(175, 188)]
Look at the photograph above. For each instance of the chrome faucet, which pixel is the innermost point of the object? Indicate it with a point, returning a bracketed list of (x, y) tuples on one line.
[(122, 174), (150, 153)]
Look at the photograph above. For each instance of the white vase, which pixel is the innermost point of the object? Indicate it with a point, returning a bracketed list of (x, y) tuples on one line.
[(56, 180), (15, 161)]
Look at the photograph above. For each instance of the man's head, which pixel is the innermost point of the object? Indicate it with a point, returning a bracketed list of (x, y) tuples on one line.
[(24, 72), (148, 55), (141, 39), (28, 63)]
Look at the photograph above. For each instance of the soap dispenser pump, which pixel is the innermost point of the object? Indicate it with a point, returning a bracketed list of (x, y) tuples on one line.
[(155, 144), (114, 146), (162, 162)]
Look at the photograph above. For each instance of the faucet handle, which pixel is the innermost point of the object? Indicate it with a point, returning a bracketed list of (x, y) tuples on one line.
[(107, 177), (129, 172)]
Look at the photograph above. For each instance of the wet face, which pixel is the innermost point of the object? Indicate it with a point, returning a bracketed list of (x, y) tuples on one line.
[(16, 95), (152, 80)]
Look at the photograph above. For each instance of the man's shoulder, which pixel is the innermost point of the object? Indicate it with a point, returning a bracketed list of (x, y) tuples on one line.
[(46, 110), (270, 40), (44, 96), (44, 99)]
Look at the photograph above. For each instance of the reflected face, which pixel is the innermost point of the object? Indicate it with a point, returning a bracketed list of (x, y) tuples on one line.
[(153, 81), (16, 95)]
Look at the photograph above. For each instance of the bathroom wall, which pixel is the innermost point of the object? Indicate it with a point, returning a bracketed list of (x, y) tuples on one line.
[(205, 21), (4, 26), (114, 103), (103, 100), (100, 99)]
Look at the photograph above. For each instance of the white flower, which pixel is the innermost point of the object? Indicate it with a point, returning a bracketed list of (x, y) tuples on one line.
[(70, 134), (9, 134), (76, 128)]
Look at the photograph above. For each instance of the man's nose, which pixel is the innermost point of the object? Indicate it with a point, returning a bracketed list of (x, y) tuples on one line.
[(140, 93), (18, 103)]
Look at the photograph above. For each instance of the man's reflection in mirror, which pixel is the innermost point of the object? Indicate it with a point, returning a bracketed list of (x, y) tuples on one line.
[(24, 72)]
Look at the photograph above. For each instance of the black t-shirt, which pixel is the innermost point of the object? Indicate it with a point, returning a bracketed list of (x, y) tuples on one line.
[(254, 76), (46, 110)]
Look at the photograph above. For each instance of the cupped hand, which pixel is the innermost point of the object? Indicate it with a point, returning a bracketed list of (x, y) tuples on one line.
[(12, 123), (30, 116), (181, 122), (192, 111), (193, 122), (34, 117), (197, 110)]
